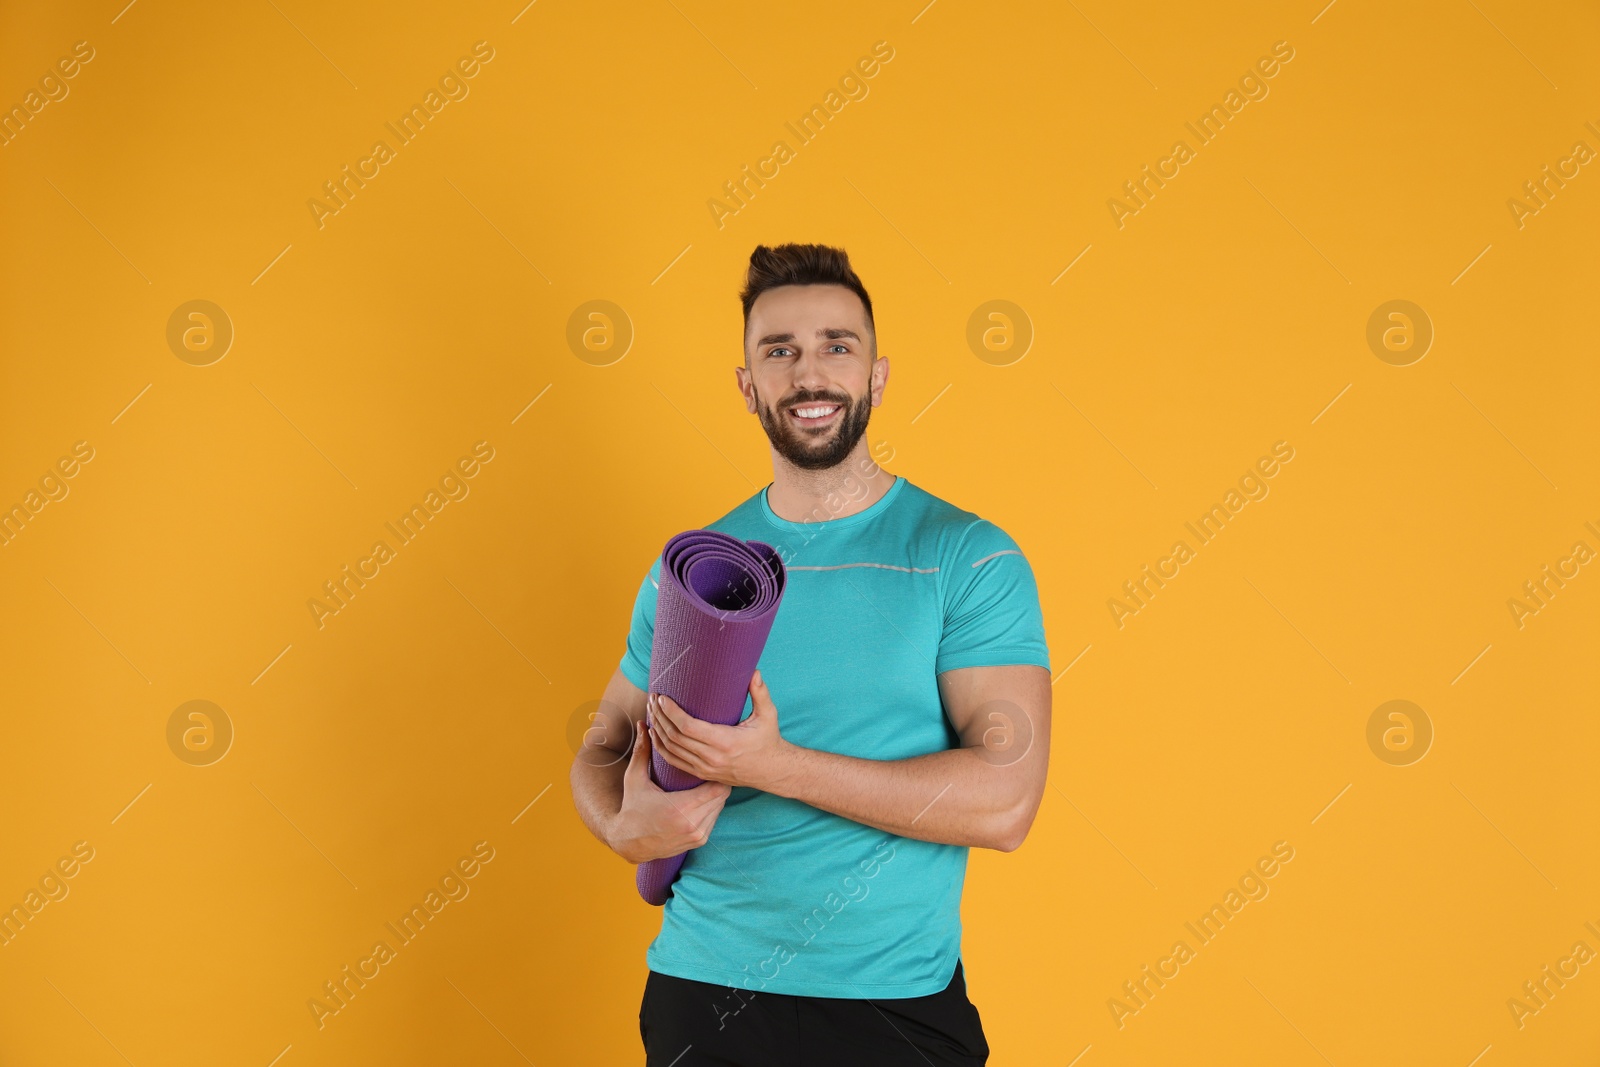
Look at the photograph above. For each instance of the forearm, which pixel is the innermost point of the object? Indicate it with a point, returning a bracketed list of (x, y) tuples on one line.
[(952, 797), (597, 794), (982, 794)]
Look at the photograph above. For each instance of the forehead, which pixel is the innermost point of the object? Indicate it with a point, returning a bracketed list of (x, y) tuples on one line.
[(803, 309)]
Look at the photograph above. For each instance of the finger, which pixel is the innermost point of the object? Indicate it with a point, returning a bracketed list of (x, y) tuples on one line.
[(661, 717), (683, 731), (708, 792), (681, 723), (714, 805), (641, 750), (661, 724), (679, 759), (656, 716), (760, 695), (708, 796), (703, 827), (637, 774), (689, 822), (699, 813), (683, 757), (701, 823), (661, 740)]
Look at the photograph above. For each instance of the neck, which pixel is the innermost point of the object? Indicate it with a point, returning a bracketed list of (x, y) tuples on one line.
[(849, 487)]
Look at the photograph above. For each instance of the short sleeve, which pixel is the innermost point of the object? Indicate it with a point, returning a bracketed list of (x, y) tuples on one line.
[(991, 604), (635, 663)]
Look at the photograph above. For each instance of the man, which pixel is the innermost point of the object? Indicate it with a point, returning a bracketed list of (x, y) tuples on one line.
[(899, 715)]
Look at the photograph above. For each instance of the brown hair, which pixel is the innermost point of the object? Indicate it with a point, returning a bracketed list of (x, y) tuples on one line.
[(793, 264)]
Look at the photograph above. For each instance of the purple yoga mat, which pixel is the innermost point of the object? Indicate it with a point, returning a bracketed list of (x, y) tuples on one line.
[(715, 605)]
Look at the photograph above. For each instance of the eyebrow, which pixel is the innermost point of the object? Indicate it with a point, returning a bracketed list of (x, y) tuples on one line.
[(832, 333)]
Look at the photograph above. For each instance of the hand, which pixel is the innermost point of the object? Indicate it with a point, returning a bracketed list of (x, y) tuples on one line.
[(751, 753), (653, 823)]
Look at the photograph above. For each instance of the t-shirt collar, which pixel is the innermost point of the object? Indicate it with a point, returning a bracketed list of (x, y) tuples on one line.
[(877, 508)]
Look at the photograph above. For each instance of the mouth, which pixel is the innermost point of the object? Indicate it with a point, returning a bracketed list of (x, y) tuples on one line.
[(815, 414)]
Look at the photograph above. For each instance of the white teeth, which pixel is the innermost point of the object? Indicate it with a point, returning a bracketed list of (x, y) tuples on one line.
[(813, 413)]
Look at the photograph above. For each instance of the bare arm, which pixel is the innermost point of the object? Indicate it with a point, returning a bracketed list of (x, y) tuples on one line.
[(982, 794), (615, 796)]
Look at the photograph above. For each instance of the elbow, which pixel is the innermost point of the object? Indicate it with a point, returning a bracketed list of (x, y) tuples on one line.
[(1011, 839), (1012, 831), (1012, 824)]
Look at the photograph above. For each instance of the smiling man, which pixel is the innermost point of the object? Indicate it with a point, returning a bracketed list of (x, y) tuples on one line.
[(899, 715)]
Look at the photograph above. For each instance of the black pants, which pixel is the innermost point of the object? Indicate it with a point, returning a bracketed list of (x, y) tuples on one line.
[(698, 1024)]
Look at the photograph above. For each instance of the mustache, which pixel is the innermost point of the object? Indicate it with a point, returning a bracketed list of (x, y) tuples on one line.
[(817, 398)]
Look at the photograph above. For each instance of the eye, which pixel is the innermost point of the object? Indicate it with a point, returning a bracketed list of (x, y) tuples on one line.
[(779, 351), (841, 346)]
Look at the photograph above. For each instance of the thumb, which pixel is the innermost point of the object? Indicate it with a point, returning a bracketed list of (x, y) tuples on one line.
[(639, 758), (760, 697)]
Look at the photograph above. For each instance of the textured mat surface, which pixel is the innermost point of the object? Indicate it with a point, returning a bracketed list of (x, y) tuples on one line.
[(715, 606)]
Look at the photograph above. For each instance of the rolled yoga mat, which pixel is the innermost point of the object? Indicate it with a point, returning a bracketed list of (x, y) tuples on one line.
[(715, 604)]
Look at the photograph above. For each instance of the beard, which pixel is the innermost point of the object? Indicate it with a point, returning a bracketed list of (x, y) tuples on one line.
[(816, 451)]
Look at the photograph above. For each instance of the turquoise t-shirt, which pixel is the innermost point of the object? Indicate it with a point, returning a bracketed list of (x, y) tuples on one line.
[(789, 898)]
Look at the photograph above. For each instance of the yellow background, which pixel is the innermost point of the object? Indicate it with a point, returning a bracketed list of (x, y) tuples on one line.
[(1228, 314)]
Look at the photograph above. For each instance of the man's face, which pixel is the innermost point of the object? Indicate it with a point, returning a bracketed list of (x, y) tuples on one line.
[(809, 349)]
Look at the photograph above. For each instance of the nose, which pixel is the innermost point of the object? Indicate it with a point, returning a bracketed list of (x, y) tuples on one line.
[(809, 375)]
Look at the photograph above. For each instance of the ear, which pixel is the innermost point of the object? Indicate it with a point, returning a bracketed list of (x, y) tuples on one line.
[(747, 388), (880, 378)]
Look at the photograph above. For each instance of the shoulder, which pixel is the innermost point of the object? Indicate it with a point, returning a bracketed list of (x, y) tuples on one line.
[(961, 538), (743, 520)]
